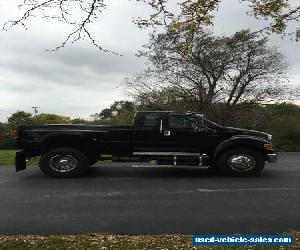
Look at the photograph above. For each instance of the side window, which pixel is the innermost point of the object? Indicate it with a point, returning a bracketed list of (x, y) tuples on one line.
[(151, 121), (183, 122)]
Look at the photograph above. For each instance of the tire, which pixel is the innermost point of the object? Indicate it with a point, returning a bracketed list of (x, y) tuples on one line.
[(64, 162), (240, 162)]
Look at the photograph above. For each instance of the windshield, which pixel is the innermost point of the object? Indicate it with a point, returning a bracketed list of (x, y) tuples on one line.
[(209, 123)]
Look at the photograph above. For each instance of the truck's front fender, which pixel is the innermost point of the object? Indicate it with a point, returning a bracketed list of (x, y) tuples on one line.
[(250, 142)]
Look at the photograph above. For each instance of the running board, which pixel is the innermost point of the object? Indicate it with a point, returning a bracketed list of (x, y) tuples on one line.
[(166, 153), (176, 157), (149, 165)]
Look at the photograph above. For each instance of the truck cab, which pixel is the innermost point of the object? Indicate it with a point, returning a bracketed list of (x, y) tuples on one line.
[(174, 131)]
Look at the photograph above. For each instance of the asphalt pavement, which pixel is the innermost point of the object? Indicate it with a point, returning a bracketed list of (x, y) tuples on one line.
[(120, 199)]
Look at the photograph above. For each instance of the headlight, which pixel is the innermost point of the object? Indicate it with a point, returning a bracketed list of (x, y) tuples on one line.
[(269, 137)]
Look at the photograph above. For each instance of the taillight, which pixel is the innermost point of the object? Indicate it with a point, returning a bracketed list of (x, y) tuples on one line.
[(16, 135)]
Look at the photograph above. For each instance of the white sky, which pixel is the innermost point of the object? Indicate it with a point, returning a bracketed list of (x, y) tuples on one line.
[(78, 80)]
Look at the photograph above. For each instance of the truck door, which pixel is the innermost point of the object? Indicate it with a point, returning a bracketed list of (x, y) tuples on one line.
[(148, 133), (184, 133)]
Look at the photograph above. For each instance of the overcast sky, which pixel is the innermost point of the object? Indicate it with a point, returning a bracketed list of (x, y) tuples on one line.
[(78, 80)]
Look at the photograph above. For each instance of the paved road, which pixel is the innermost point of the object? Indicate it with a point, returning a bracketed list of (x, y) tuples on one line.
[(150, 201)]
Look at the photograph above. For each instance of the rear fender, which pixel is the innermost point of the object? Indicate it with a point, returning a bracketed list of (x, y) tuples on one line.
[(62, 140), (85, 142)]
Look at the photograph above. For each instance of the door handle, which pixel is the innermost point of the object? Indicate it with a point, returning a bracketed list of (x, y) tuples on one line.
[(167, 132)]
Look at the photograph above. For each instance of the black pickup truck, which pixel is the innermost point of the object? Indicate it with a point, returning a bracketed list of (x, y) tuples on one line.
[(156, 137)]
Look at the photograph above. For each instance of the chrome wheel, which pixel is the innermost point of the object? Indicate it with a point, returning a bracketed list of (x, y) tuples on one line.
[(241, 163), (63, 163)]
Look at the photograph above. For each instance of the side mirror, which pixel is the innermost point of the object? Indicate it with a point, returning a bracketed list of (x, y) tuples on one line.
[(200, 126), (202, 122)]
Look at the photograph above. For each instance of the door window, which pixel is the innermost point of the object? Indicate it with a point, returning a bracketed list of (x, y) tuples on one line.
[(186, 122)]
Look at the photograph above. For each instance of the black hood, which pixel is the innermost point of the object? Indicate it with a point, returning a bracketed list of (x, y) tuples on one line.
[(254, 133)]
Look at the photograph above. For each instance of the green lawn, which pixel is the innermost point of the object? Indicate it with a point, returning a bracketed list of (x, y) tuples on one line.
[(7, 157), (116, 242)]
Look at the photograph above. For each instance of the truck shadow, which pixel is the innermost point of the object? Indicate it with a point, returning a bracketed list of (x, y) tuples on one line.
[(165, 172), (106, 172), (161, 172)]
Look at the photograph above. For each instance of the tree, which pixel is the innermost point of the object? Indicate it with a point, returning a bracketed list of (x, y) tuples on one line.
[(210, 69), (19, 118), (7, 129), (50, 119), (120, 112), (7, 140), (116, 109), (189, 19), (79, 121)]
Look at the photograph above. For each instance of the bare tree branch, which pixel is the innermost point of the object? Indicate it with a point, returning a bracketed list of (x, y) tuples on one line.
[(192, 17), (65, 10)]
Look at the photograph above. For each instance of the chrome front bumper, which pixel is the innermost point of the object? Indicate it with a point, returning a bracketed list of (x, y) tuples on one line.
[(272, 158)]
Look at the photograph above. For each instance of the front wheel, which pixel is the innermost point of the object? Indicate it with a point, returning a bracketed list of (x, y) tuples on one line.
[(64, 162), (241, 162)]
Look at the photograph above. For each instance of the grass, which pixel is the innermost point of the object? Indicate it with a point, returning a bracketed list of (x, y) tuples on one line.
[(116, 242), (7, 157)]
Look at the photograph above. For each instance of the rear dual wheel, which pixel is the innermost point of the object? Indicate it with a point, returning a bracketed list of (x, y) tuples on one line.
[(64, 162)]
